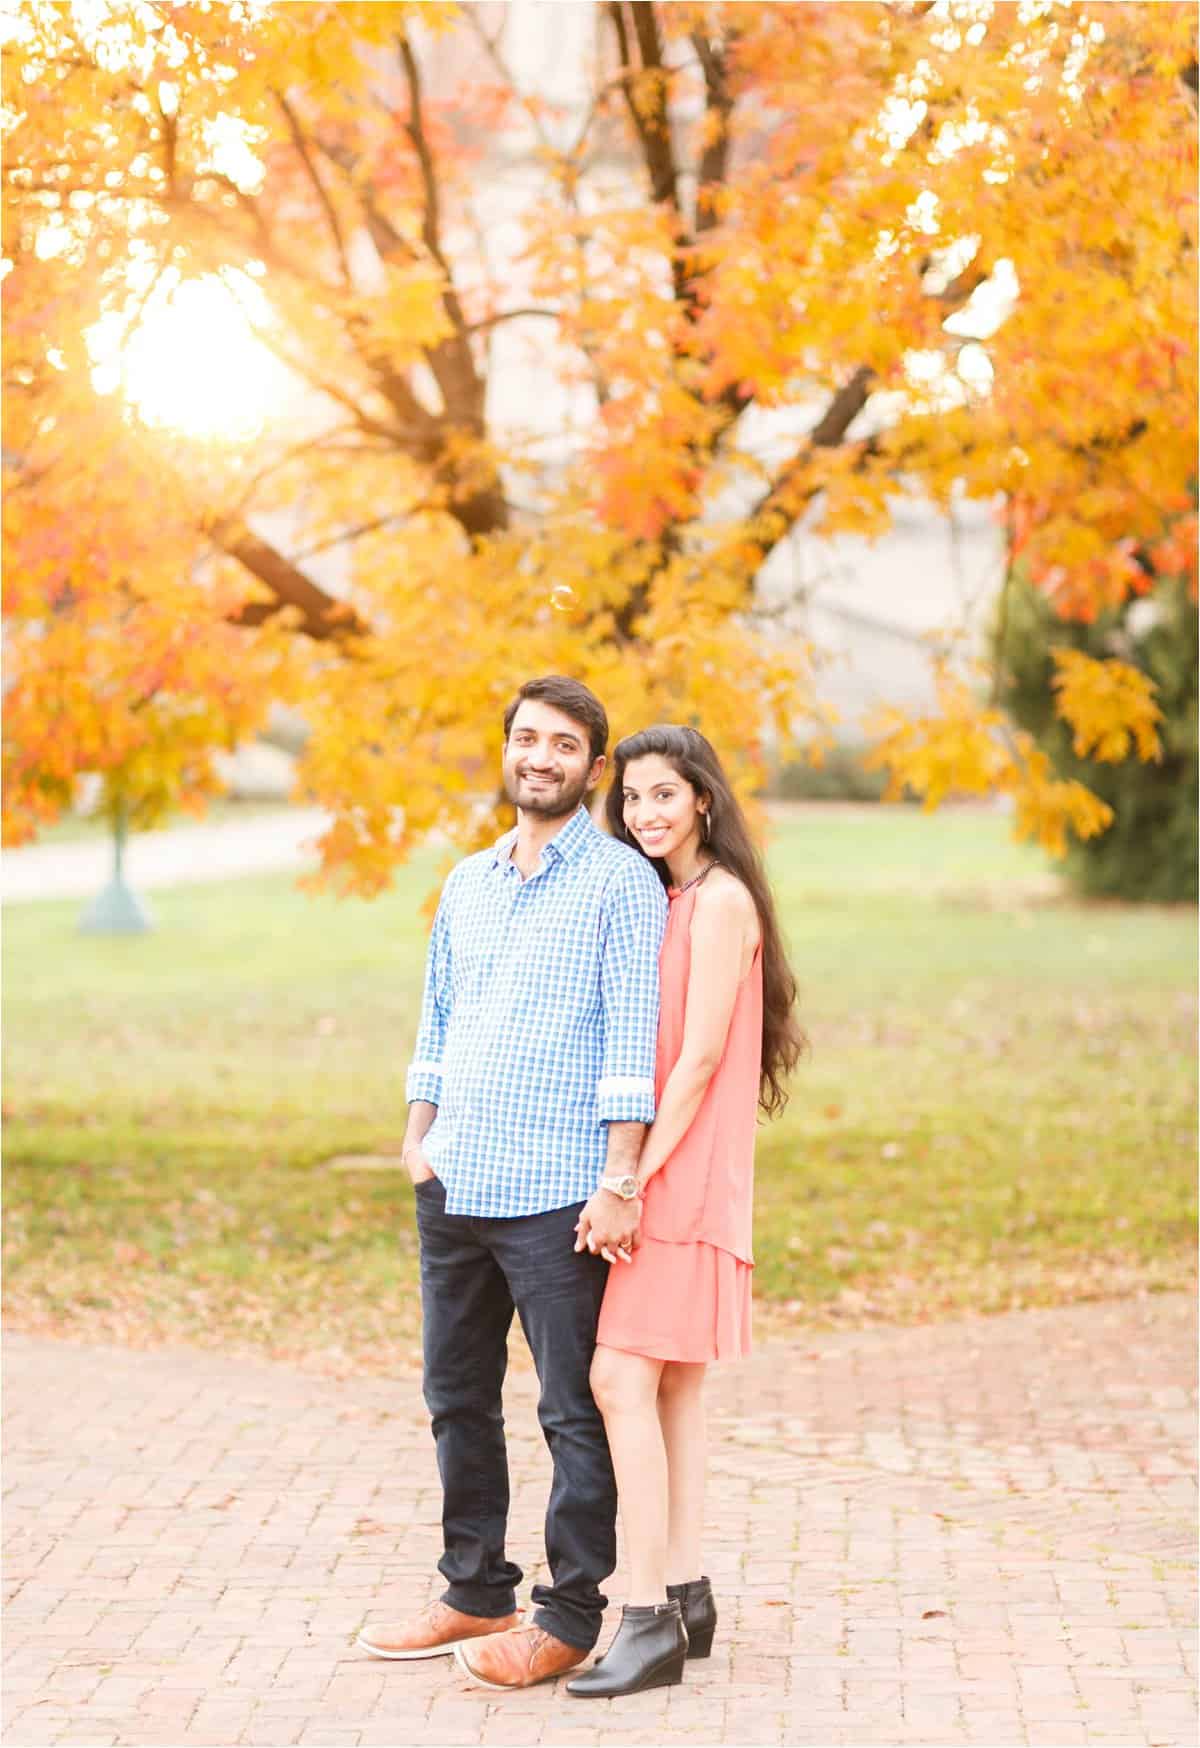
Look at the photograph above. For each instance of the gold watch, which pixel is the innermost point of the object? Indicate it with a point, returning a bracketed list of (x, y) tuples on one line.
[(626, 1187)]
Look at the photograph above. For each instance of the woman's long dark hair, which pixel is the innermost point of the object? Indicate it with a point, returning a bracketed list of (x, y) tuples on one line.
[(692, 758)]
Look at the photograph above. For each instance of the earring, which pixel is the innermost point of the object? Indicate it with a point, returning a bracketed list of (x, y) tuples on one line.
[(704, 824)]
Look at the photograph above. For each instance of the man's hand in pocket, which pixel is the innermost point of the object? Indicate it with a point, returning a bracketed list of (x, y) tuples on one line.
[(416, 1164)]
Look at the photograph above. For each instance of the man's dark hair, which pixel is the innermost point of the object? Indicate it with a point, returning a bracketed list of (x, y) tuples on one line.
[(573, 699)]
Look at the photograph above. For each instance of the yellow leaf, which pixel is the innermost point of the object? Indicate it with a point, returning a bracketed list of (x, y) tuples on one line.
[(1109, 706)]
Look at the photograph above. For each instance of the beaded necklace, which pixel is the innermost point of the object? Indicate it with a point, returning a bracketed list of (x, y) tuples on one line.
[(695, 879)]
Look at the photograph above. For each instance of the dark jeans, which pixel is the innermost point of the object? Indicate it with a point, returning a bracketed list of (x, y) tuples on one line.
[(474, 1273)]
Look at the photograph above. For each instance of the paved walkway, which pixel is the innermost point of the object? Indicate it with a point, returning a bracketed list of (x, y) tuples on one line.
[(262, 843), (971, 1533)]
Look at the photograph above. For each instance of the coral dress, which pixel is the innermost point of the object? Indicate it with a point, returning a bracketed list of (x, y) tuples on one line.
[(686, 1294)]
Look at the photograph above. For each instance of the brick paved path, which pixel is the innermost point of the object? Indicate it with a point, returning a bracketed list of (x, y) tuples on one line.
[(974, 1533)]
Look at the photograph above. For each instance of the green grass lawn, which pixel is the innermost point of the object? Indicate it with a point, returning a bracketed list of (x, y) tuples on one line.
[(997, 1108)]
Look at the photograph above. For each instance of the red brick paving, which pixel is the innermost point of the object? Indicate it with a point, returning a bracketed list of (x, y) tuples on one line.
[(978, 1532)]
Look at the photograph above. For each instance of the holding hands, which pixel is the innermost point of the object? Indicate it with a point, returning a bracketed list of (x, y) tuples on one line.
[(609, 1226)]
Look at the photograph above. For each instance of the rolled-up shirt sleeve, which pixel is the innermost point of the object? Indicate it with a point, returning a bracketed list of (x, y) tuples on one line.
[(635, 914), (425, 1070)]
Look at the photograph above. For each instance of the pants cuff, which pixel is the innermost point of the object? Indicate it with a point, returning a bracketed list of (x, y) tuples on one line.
[(568, 1632), (480, 1608)]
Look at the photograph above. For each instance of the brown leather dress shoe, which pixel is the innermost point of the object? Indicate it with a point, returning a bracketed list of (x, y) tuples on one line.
[(435, 1632), (520, 1657)]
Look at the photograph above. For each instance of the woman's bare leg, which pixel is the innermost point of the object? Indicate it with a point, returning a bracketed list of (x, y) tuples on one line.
[(681, 1416), (625, 1386)]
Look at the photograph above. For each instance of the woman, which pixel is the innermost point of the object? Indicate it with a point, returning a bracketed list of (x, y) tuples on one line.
[(727, 1040)]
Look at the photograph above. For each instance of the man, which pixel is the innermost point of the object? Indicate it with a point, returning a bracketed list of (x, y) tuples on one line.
[(529, 1092)]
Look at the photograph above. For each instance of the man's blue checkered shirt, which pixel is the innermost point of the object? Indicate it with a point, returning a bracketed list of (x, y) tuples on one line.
[(540, 1019)]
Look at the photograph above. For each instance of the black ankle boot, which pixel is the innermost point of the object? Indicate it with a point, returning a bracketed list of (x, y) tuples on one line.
[(648, 1651), (699, 1614)]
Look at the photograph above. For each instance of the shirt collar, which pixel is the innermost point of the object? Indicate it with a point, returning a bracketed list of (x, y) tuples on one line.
[(568, 843)]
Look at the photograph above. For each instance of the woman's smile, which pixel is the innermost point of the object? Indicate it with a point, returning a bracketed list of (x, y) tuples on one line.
[(651, 835)]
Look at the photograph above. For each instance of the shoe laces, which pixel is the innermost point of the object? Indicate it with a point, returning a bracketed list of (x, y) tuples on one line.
[(538, 1638)]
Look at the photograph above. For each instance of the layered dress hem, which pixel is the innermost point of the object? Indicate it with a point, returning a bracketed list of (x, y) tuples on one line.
[(688, 1302)]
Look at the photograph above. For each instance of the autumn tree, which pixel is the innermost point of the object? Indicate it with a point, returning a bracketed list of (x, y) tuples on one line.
[(782, 262), (1149, 851)]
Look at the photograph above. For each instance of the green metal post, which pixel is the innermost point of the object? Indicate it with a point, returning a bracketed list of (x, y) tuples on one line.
[(116, 910)]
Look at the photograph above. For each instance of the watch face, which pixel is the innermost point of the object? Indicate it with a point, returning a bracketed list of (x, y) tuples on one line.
[(625, 1187)]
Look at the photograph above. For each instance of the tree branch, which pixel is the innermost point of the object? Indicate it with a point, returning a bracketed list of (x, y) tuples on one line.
[(302, 146), (266, 246), (170, 133), (567, 172), (451, 362), (250, 206), (393, 384), (649, 111), (431, 223), (431, 215), (790, 492), (652, 117), (780, 505), (323, 617), (714, 160), (345, 535), (411, 442), (420, 434), (481, 327), (323, 442)]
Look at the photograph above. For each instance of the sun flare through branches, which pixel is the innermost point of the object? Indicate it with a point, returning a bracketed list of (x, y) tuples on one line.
[(192, 363)]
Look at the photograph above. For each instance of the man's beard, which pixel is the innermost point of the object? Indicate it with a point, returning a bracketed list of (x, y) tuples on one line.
[(554, 801)]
